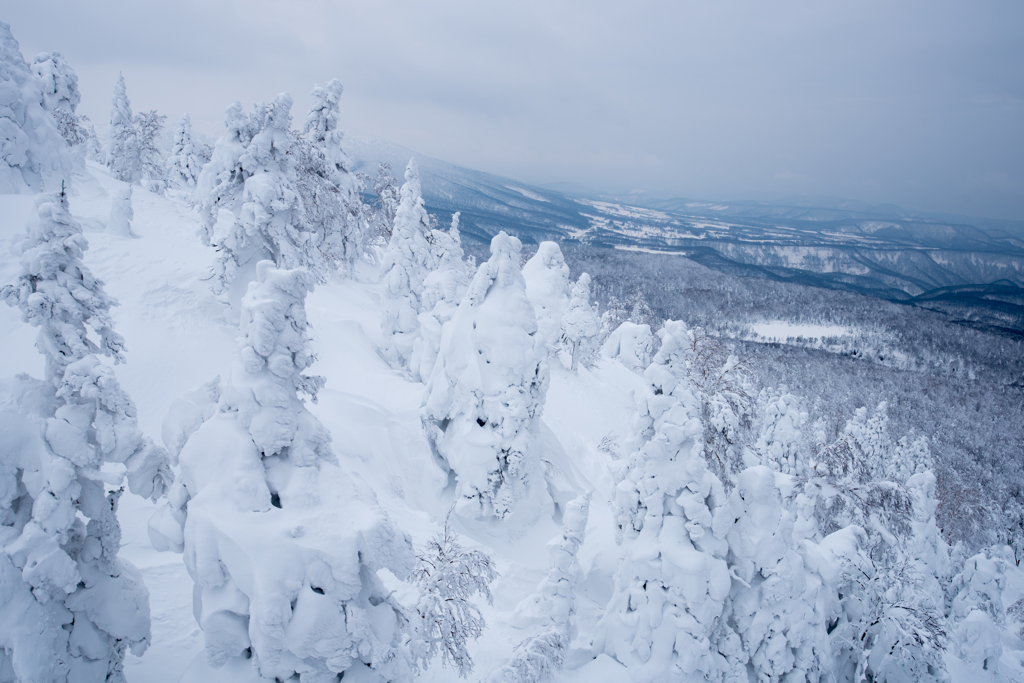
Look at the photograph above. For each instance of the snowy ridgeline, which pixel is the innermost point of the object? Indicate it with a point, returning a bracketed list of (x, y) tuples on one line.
[(707, 531)]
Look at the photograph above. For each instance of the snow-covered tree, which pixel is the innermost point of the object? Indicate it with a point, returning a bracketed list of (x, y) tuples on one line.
[(671, 591), (781, 442), (121, 144), (283, 546), (388, 199), (553, 605), (977, 610), (547, 286), (151, 164), (252, 174), (443, 290), (184, 164), (331, 195), (580, 324), (779, 606), (34, 157), (121, 213), (485, 397), (407, 262), (630, 344), (444, 618), (71, 606), (60, 94), (93, 147)]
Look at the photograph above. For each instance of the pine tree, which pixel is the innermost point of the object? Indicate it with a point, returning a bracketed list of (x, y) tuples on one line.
[(183, 164), (580, 324), (252, 173), (407, 262), (74, 607), (331, 195), (547, 286), (35, 156), (443, 290), (60, 94), (486, 394), (671, 592), (122, 157)]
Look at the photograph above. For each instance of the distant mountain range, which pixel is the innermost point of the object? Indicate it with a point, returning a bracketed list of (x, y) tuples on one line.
[(970, 269)]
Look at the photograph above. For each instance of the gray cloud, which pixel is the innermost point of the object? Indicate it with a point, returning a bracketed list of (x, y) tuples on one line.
[(916, 103)]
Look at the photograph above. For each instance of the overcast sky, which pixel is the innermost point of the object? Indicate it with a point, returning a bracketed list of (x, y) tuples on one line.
[(915, 103)]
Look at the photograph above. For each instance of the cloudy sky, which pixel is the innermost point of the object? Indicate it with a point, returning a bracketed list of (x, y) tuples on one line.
[(915, 103)]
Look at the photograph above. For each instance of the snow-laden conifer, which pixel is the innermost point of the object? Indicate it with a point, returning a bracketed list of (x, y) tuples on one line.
[(252, 174), (121, 213), (781, 440), (779, 606), (60, 94), (34, 156), (443, 290), (72, 607), (331, 195), (671, 591), (122, 158), (553, 606), (486, 394), (580, 324), (386, 206), (407, 262), (547, 286), (283, 547), (183, 164)]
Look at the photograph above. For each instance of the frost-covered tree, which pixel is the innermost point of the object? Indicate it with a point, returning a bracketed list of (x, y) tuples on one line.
[(283, 546), (183, 164), (60, 94), (151, 164), (890, 624), (444, 619), (485, 397), (252, 174), (580, 324), (34, 156), (630, 344), (331, 195), (93, 147), (443, 290), (671, 591), (388, 199), (547, 286), (976, 608), (553, 605), (122, 158), (781, 442), (71, 606), (779, 606), (407, 262), (121, 213)]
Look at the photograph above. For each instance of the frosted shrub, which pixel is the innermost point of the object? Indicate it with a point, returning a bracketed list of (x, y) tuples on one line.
[(444, 618), (486, 394)]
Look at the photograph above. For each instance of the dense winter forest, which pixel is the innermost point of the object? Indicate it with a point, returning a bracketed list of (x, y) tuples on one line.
[(282, 423)]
